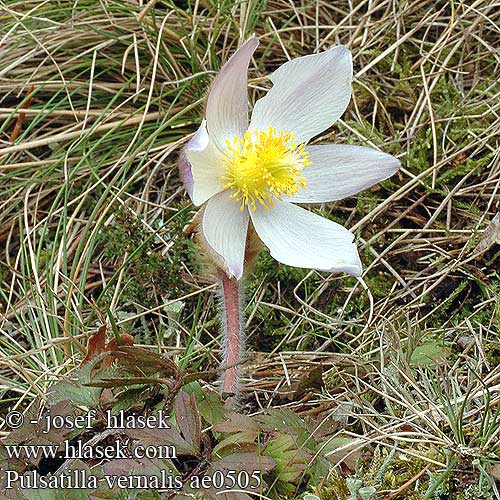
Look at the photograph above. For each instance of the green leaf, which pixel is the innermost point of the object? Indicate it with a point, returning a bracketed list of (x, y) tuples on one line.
[(430, 354), (211, 406), (237, 422), (235, 441), (40, 494), (74, 389), (280, 419)]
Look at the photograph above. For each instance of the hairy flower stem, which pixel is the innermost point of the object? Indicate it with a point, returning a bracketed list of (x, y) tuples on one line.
[(233, 333)]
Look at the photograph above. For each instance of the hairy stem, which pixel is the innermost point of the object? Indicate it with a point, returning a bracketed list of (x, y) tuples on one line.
[(233, 333)]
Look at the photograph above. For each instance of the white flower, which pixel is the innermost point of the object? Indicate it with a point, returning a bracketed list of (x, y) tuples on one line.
[(254, 171)]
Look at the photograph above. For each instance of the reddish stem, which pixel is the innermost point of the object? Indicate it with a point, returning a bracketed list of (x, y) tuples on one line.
[(233, 348)]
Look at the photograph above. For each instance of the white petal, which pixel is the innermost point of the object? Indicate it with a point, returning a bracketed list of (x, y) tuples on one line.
[(308, 94), (302, 239), (225, 229), (227, 103), (198, 142), (206, 166), (340, 170)]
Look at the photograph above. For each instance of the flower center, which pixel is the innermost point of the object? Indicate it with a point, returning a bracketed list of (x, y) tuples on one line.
[(262, 165)]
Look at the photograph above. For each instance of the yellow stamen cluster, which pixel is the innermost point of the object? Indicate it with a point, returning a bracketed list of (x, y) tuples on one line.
[(263, 165)]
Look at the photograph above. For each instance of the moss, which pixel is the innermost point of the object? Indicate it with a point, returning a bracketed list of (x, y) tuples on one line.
[(336, 490), (149, 276)]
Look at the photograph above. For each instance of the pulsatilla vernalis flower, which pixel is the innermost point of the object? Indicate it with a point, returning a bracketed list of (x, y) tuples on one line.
[(252, 172)]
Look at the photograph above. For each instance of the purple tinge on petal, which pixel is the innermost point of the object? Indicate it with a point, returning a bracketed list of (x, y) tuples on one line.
[(227, 102), (185, 172), (199, 141)]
